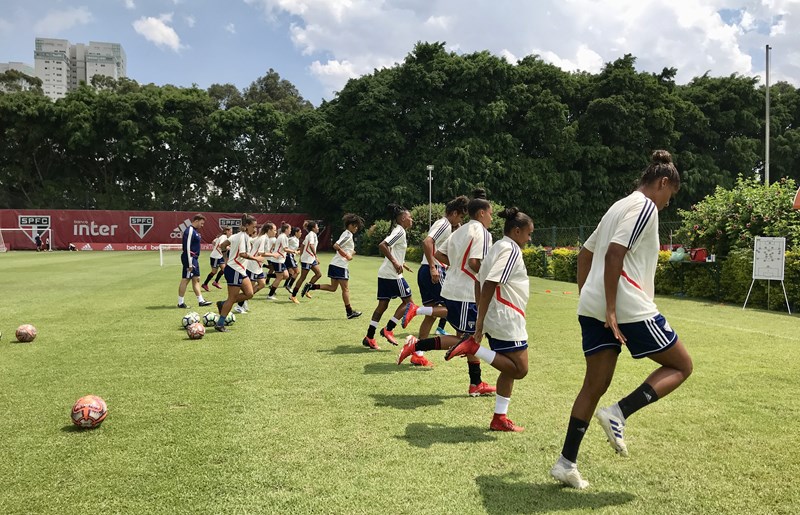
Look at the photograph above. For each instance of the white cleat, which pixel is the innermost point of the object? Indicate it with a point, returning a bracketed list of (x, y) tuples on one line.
[(238, 309), (614, 427), (568, 474), (271, 297), (246, 307)]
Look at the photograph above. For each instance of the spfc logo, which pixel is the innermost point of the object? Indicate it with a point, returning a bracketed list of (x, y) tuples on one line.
[(34, 225), (233, 223), (141, 225)]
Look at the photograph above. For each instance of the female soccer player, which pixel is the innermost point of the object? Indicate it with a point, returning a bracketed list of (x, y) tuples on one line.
[(308, 259), (217, 259), (291, 261), (616, 272), (278, 260), (190, 268), (338, 272), (240, 288), (432, 273), (391, 283), (501, 314), (465, 250), (258, 248)]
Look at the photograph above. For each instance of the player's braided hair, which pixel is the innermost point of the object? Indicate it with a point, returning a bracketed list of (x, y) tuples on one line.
[(457, 205), (660, 166)]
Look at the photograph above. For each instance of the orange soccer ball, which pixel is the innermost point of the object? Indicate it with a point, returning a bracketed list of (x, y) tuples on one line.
[(89, 411), (26, 333)]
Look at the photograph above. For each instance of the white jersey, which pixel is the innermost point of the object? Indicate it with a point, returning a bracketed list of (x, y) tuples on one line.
[(439, 232), (215, 252), (279, 245), (347, 245), (633, 223), (240, 243), (258, 246), (505, 316), (309, 254), (470, 241), (294, 243), (397, 247)]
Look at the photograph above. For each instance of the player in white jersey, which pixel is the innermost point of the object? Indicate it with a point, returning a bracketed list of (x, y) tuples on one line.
[(505, 289), (279, 250), (391, 283), (291, 261), (217, 258), (464, 252), (616, 275), (308, 259), (240, 288), (258, 248), (431, 275), (338, 271)]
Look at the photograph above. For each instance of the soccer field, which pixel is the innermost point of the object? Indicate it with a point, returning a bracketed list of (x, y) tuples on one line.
[(288, 413)]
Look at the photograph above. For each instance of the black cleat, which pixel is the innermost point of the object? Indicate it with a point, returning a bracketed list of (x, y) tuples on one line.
[(219, 306), (306, 289), (221, 328), (183, 306), (353, 314), (204, 303)]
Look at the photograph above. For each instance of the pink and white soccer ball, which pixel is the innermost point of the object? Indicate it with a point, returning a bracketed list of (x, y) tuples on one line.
[(26, 333), (89, 411), (196, 331)]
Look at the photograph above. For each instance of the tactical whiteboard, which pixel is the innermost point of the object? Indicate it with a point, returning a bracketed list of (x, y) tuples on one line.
[(768, 258)]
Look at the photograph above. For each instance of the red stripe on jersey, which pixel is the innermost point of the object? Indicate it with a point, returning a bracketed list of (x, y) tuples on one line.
[(507, 302), (308, 250), (627, 278), (464, 267)]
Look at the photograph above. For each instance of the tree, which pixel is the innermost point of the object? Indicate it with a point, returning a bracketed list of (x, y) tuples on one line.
[(280, 92)]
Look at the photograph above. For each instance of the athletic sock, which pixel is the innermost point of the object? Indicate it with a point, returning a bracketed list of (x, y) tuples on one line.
[(486, 355), (572, 442), (348, 308), (391, 324), (425, 311), (373, 326), (219, 274), (434, 343), (501, 404), (180, 300), (295, 292), (240, 304), (474, 372), (638, 399), (315, 286), (442, 323), (272, 291), (291, 281), (200, 298), (208, 278)]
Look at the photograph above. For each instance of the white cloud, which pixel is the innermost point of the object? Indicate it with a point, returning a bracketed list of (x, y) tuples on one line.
[(158, 31), (56, 22), (351, 37), (231, 28), (5, 26), (130, 4), (190, 21)]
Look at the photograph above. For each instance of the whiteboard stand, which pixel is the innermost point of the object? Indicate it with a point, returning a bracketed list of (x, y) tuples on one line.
[(768, 264)]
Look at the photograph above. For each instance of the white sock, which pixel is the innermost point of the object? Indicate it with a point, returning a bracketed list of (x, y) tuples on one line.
[(501, 404), (425, 310), (180, 300), (419, 353), (394, 320), (200, 298), (566, 463), (486, 354)]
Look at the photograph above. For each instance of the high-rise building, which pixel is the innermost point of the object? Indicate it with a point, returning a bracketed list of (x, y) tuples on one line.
[(63, 67), (20, 67)]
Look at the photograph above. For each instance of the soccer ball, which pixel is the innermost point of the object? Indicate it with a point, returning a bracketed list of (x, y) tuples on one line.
[(210, 319), (89, 411), (230, 319), (189, 319), (26, 333), (196, 331)]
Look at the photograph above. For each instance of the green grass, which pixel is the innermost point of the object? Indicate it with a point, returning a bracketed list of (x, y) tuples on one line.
[(288, 413)]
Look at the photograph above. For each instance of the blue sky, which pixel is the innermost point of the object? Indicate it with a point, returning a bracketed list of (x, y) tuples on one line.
[(319, 44)]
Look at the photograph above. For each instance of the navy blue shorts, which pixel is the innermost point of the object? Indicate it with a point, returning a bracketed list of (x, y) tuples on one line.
[(290, 262), (216, 262), (255, 276), (337, 272), (233, 277), (506, 345), (185, 272), (646, 337), (462, 315), (278, 268), (393, 288), (309, 266), (430, 292)]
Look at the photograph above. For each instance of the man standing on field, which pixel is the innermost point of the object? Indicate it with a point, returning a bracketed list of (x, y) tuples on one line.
[(190, 268)]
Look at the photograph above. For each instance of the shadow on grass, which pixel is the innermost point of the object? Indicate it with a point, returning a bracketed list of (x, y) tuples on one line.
[(504, 494), (425, 435), (72, 428), (154, 308), (410, 401), (391, 368), (311, 319), (346, 349)]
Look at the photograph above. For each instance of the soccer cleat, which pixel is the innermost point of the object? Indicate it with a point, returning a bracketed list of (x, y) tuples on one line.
[(371, 343), (221, 328), (614, 428), (503, 423), (215, 284), (239, 309), (389, 335), (219, 306), (421, 361), (467, 346), (204, 303), (287, 288), (306, 289), (476, 390), (408, 314), (246, 307), (205, 287), (183, 306), (568, 475), (294, 299), (271, 297), (442, 332), (353, 314), (408, 349)]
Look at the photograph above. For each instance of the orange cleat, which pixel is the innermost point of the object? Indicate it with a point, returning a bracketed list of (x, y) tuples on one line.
[(467, 346), (371, 343), (421, 361), (503, 423), (408, 349), (408, 314), (476, 390), (389, 336)]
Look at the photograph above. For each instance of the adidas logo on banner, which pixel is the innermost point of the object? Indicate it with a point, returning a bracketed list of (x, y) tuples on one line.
[(178, 231), (87, 247), (108, 247)]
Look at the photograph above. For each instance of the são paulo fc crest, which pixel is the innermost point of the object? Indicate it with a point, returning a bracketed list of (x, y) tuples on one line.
[(34, 225), (233, 223), (141, 225)]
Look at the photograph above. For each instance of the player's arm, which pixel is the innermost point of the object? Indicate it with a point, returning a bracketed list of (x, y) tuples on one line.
[(442, 258), (342, 252), (224, 245), (585, 257), (485, 297), (386, 250), (428, 248), (615, 255)]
